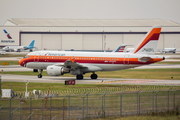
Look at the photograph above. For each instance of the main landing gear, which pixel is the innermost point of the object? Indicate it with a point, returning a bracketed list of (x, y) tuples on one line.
[(40, 73), (94, 76), (80, 76)]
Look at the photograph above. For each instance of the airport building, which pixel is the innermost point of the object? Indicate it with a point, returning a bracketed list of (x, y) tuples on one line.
[(86, 34)]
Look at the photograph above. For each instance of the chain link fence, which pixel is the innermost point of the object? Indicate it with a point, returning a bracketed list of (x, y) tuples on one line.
[(89, 105)]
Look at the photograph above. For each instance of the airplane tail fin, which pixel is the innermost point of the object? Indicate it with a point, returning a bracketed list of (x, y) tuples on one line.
[(149, 43), (121, 48), (31, 45), (8, 35)]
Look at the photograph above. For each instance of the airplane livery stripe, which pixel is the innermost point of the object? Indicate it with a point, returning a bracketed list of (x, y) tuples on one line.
[(91, 60)]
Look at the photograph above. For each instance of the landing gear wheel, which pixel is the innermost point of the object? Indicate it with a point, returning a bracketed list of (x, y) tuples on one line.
[(39, 76), (40, 73), (79, 77), (94, 76)]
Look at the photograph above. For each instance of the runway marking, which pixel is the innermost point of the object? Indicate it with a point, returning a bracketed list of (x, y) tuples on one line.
[(110, 81), (127, 81)]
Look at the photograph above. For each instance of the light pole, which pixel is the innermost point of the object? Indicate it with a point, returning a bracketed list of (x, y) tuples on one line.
[(26, 93)]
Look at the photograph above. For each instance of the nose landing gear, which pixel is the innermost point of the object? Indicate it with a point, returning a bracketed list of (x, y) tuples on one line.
[(40, 73)]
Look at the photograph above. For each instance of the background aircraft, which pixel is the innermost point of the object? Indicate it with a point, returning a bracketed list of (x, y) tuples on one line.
[(78, 63), (169, 50), (19, 48), (121, 48)]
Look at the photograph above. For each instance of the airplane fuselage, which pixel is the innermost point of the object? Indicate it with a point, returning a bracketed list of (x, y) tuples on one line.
[(105, 60)]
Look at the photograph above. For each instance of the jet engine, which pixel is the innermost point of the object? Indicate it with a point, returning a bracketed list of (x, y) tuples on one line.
[(56, 70)]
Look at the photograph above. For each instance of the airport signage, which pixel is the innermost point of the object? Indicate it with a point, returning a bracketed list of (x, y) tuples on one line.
[(7, 41), (70, 82)]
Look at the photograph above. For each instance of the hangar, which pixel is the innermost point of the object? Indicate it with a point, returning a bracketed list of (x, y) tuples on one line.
[(86, 34)]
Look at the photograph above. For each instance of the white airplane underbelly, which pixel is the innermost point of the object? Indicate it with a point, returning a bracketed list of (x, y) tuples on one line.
[(104, 67)]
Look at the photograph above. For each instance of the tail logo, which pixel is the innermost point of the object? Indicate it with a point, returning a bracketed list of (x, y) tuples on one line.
[(8, 35), (121, 49), (153, 35)]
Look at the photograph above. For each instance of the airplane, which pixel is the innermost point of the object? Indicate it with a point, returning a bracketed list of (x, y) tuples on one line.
[(19, 48), (121, 48), (8, 35), (76, 63), (169, 50)]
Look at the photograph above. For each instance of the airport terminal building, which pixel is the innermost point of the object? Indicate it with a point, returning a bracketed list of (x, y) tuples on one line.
[(86, 34)]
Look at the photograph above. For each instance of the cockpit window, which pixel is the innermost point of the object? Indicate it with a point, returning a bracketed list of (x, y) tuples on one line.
[(27, 56)]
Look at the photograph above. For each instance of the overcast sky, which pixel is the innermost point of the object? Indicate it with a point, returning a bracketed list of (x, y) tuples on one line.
[(90, 9)]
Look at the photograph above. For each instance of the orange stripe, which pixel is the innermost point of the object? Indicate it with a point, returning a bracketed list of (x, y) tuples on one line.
[(93, 58)]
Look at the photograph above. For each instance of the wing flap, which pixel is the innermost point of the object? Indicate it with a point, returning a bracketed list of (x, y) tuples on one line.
[(71, 65)]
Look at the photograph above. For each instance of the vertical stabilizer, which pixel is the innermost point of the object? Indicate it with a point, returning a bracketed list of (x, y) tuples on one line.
[(149, 43), (31, 45), (121, 48)]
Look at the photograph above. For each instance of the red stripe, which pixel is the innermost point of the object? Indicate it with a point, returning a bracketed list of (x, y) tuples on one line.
[(131, 61)]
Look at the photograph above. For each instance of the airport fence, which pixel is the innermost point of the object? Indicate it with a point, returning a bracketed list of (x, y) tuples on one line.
[(98, 90), (90, 105)]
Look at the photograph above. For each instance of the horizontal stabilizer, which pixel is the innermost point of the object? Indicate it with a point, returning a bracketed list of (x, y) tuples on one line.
[(145, 59)]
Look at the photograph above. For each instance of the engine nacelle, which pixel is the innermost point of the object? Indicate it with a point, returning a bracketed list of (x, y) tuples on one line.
[(56, 70)]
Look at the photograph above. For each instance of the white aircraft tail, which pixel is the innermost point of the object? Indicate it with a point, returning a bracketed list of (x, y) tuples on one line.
[(149, 43)]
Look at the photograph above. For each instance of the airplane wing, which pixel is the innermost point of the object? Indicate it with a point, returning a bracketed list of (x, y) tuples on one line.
[(72, 65)]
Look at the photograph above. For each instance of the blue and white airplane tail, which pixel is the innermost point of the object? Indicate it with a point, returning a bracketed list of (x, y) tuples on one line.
[(31, 45)]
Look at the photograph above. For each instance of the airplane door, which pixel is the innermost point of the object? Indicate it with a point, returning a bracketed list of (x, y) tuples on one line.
[(36, 57), (126, 59)]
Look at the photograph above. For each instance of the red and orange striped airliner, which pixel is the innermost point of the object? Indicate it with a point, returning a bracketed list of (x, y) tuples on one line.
[(78, 63)]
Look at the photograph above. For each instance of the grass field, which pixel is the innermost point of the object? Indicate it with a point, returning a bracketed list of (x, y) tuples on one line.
[(164, 62), (10, 62), (129, 73), (13, 55), (61, 89), (165, 117)]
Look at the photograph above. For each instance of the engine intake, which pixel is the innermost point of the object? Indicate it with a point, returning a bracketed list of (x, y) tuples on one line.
[(56, 70)]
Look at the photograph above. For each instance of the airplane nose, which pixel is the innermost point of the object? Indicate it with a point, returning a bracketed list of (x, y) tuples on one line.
[(21, 63)]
